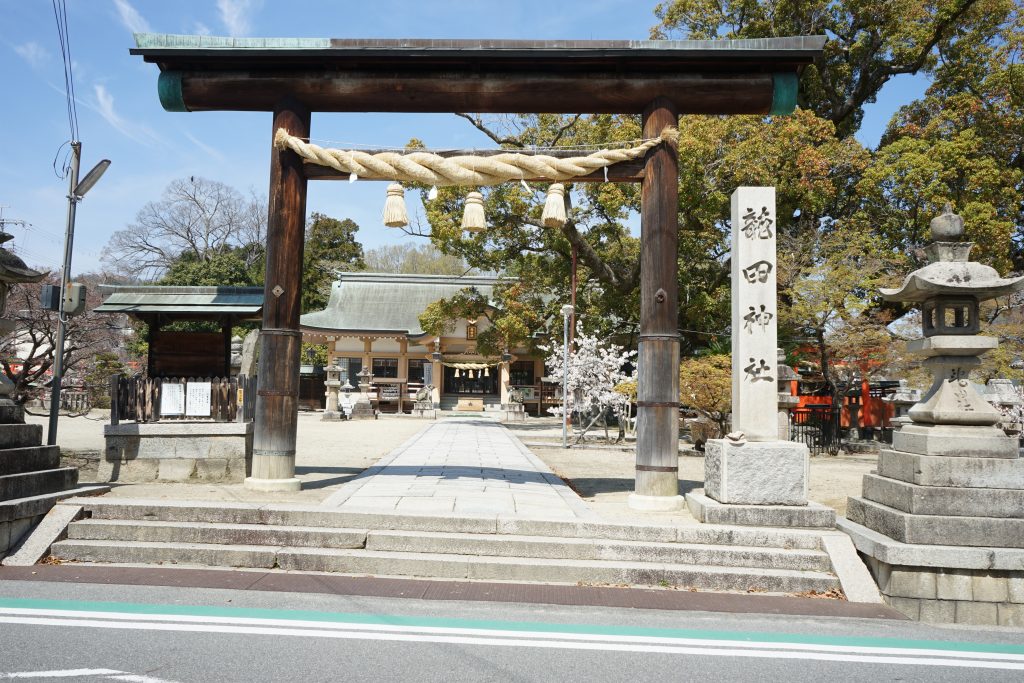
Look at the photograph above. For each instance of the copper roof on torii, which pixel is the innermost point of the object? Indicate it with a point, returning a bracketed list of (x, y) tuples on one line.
[(386, 303)]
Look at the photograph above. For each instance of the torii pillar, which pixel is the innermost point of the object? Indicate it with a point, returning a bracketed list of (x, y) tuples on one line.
[(657, 441), (277, 394)]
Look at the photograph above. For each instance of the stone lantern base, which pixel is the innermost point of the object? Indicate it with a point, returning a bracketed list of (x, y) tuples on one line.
[(941, 529)]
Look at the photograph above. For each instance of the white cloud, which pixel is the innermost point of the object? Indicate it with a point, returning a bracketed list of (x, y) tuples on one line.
[(235, 15), (212, 151), (105, 106), (130, 17), (33, 53), (201, 29)]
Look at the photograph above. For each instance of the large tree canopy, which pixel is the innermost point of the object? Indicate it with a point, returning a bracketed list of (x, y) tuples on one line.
[(197, 220)]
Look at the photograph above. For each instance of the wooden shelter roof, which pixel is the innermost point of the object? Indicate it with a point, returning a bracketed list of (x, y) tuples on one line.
[(182, 302)]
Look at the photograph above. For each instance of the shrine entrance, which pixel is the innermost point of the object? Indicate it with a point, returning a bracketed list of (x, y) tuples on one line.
[(293, 77)]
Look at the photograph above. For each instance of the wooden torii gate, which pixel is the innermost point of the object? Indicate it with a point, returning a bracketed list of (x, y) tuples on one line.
[(293, 77)]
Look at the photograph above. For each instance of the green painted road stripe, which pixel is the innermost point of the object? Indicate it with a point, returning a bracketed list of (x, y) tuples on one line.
[(440, 622)]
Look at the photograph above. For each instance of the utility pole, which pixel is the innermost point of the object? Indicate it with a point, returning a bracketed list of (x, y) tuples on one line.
[(65, 276), (76, 190)]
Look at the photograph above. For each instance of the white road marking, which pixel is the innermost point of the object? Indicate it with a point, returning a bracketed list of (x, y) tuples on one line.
[(496, 633), (65, 673), (767, 650)]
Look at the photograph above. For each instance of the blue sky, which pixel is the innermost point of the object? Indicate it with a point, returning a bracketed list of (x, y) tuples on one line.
[(121, 119)]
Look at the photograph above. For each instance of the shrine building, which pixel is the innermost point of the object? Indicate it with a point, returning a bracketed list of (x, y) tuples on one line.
[(372, 321)]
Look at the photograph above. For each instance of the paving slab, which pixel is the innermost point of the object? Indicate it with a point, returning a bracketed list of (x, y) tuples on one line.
[(466, 466)]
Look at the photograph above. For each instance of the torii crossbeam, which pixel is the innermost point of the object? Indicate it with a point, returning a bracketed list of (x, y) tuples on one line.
[(292, 77)]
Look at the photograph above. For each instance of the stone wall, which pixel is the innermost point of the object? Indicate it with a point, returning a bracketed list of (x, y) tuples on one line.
[(942, 595), (191, 452)]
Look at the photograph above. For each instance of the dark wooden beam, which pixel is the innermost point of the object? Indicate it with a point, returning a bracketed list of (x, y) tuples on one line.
[(553, 92), (657, 446), (277, 396)]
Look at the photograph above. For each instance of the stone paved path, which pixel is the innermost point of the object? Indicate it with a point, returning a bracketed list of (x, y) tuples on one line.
[(463, 466)]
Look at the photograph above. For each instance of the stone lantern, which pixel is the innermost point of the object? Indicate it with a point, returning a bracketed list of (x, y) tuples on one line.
[(944, 511), (333, 385), (362, 409), (949, 290)]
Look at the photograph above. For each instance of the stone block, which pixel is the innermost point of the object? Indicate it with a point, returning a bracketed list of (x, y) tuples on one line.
[(938, 611), (756, 473), (1015, 588), (937, 529), (925, 470), (909, 607), (987, 587), (810, 516), (955, 441), (20, 435), (954, 584), (1011, 615), (176, 470), (911, 582), (886, 549), (944, 500), (218, 470), (5, 537), (134, 471), (977, 613)]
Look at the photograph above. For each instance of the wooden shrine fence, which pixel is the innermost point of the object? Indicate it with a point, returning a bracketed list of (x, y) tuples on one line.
[(210, 399)]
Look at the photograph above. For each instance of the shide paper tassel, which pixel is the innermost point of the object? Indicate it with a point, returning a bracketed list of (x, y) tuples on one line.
[(395, 215), (473, 215), (554, 207)]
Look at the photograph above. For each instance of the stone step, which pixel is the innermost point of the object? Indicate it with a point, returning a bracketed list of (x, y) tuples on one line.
[(215, 534), (310, 516), (939, 470), (542, 547), (550, 548), (936, 529), (37, 483), (448, 566), (944, 500), (29, 459), (31, 506), (20, 435)]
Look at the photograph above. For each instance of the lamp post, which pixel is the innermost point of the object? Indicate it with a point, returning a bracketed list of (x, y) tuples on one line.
[(76, 190), (567, 311)]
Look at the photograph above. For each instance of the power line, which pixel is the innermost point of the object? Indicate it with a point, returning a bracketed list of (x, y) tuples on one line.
[(60, 14)]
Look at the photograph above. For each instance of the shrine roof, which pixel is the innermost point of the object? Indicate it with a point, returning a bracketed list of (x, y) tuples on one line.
[(181, 302), (386, 303)]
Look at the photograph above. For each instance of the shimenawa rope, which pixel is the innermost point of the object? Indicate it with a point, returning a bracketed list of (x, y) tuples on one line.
[(465, 170)]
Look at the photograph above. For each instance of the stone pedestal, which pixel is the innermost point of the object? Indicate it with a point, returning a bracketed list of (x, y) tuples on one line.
[(187, 452), (756, 473)]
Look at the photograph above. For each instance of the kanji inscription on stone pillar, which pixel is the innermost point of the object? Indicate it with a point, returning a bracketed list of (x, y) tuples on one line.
[(754, 314)]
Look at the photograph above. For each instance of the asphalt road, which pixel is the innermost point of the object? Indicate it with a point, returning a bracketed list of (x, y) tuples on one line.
[(147, 634)]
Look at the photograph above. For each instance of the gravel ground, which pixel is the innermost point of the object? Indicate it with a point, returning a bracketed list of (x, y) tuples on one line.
[(603, 475), (331, 453)]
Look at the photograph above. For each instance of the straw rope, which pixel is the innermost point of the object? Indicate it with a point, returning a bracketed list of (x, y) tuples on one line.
[(465, 170)]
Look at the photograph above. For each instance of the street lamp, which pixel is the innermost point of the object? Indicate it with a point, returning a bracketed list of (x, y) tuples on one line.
[(567, 311), (76, 190)]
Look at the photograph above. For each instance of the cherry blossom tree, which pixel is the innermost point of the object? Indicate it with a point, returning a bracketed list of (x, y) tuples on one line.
[(596, 366)]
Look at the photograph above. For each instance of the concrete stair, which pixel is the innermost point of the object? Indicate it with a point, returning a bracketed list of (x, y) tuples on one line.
[(31, 481), (493, 548)]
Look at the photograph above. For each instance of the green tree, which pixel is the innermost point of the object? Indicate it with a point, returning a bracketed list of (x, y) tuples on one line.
[(705, 385), (331, 246), (514, 312), (869, 43)]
